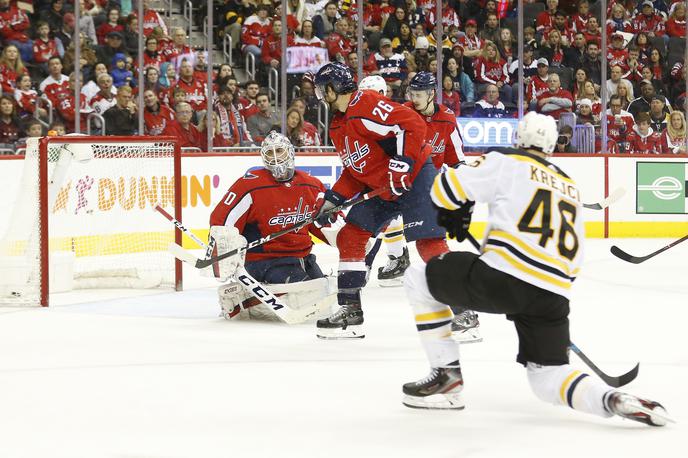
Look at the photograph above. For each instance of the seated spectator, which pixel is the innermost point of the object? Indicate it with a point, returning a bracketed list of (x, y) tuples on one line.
[(156, 116), (88, 58), (224, 74), (676, 25), (642, 103), (579, 79), (564, 144), (388, 64), (506, 46), (11, 68), (461, 82), (324, 22), (104, 99), (560, 24), (86, 22), (53, 16), (297, 133), (592, 64), (45, 47), (471, 42), (618, 21), (490, 68), (194, 88), (625, 91), (648, 21), (673, 139), (529, 38), (490, 31), (120, 75), (574, 55), (642, 139), (307, 37), (488, 7), (32, 128), (552, 49), (619, 123), (151, 80), (66, 32), (308, 96), (615, 80), (617, 55), (121, 119), (55, 83), (529, 71), (405, 42), (450, 96), (677, 82), (151, 56), (300, 105), (538, 83), (420, 58), (590, 92), (579, 20), (188, 135), (659, 114), (14, 27), (131, 35), (592, 32), (260, 124), (555, 100), (490, 106), (91, 88), (218, 141), (642, 42), (232, 124), (254, 31), (168, 75), (25, 96), (58, 128), (545, 19), (271, 51), (392, 27), (178, 48), (248, 105), (656, 65), (9, 124), (338, 43), (113, 44), (111, 25), (152, 19), (584, 114)]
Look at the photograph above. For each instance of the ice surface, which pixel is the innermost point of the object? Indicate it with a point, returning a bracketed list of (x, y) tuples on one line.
[(162, 375)]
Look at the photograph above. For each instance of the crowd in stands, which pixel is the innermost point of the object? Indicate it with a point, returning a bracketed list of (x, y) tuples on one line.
[(562, 66)]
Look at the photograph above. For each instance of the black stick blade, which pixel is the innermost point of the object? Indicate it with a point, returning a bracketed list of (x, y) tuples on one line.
[(621, 254), (624, 379)]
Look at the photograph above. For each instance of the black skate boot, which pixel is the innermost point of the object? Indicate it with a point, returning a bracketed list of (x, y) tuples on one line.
[(465, 327), (345, 323), (392, 274), (634, 408), (441, 389)]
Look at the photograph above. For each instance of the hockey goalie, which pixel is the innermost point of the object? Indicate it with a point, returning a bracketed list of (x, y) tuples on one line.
[(260, 203)]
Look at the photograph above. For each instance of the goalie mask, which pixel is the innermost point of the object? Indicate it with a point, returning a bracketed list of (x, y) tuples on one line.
[(277, 153)]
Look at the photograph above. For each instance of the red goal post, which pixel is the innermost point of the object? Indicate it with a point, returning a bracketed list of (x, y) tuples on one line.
[(84, 217)]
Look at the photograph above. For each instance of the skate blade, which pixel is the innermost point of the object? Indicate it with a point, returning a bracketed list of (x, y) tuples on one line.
[(391, 282), (658, 416), (351, 332), (463, 337), (435, 402)]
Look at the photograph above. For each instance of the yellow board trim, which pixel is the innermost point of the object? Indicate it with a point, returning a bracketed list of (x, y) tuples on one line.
[(564, 386), (444, 314), (523, 268), (542, 166), (543, 257)]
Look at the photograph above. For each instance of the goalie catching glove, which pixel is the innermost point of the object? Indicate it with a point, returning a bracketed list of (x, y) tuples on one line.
[(456, 222), (226, 239)]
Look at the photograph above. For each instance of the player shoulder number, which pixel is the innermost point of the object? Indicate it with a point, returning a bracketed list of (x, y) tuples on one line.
[(382, 110)]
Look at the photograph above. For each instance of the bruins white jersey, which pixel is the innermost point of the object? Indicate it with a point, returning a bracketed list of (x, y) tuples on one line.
[(535, 226)]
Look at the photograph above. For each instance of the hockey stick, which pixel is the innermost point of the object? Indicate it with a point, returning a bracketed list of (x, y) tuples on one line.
[(253, 286), (619, 253), (190, 258), (614, 197), (610, 380)]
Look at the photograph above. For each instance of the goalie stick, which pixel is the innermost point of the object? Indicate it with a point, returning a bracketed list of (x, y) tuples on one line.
[(619, 253), (614, 197), (250, 284), (613, 381), (190, 258)]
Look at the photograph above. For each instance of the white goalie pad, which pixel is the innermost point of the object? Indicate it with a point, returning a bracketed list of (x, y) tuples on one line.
[(226, 239), (307, 300)]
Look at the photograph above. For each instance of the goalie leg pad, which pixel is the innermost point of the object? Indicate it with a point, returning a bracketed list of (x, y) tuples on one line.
[(233, 298), (313, 297)]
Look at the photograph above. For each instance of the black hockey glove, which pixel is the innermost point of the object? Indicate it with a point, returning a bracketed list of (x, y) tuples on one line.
[(456, 222), (324, 204)]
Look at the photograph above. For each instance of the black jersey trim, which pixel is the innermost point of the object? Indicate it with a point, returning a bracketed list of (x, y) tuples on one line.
[(528, 259)]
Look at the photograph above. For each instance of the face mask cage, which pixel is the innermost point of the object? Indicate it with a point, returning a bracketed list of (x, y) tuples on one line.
[(278, 158)]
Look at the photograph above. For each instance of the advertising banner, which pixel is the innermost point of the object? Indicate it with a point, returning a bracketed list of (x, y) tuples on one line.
[(482, 132), (661, 187), (302, 59)]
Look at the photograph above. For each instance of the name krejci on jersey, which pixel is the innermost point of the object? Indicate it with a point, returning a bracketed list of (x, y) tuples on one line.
[(543, 177), (291, 217)]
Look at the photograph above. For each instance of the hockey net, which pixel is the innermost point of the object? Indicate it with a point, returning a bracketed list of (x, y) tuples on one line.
[(84, 217)]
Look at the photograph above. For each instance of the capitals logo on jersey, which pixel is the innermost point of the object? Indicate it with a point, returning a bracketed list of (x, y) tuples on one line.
[(353, 159), (288, 217), (437, 148)]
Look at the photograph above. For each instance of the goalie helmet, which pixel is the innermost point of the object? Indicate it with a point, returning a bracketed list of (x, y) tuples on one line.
[(537, 131), (277, 153), (373, 83)]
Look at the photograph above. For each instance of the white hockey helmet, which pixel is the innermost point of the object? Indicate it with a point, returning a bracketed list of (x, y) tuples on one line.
[(537, 131), (277, 153), (374, 83)]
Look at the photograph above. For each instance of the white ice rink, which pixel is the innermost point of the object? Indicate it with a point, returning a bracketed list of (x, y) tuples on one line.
[(162, 376)]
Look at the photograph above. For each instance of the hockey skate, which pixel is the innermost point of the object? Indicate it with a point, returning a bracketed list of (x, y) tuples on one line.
[(466, 327), (634, 408), (441, 389), (392, 274), (345, 323)]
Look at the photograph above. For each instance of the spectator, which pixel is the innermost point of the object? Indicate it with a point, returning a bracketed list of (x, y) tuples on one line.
[(529, 38), (579, 21), (121, 118), (592, 33), (676, 25), (194, 88), (218, 141), (648, 21), (54, 15), (66, 32), (232, 125), (560, 25), (460, 81), (301, 105), (9, 124), (11, 67), (58, 127), (88, 58), (616, 54), (451, 98), (308, 96), (188, 135), (120, 75), (642, 42), (113, 45), (56, 83), (131, 35), (505, 45), (25, 96), (388, 64), (338, 43), (152, 19), (260, 124), (538, 83), (91, 88), (592, 64), (45, 47), (420, 58), (111, 25), (530, 67), (564, 144), (625, 93), (271, 51), (224, 74), (647, 75), (677, 81), (545, 20), (656, 65), (673, 139), (324, 22), (297, 9), (615, 80), (488, 7), (490, 68), (471, 42), (86, 22), (14, 26), (619, 123), (574, 56), (618, 21), (490, 30), (32, 128), (66, 106), (642, 103), (580, 77), (642, 139), (352, 63), (307, 36), (555, 100), (151, 80), (151, 55), (659, 114), (405, 42), (248, 106), (392, 28), (449, 17), (179, 48), (168, 75), (584, 114), (255, 30), (104, 99), (590, 92), (552, 49), (490, 106), (297, 133), (634, 66), (156, 116)]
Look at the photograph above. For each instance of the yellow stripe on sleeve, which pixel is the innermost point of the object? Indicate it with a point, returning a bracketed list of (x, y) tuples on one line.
[(444, 314), (437, 195), (565, 385), (456, 186)]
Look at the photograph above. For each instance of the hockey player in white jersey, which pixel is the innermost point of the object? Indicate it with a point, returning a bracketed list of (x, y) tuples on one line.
[(530, 256)]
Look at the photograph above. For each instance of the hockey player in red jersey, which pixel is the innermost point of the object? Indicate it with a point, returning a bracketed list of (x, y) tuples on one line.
[(382, 146)]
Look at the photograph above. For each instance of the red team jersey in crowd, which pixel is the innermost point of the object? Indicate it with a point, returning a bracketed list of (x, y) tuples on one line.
[(156, 122), (372, 130), (26, 100), (44, 50), (195, 92), (443, 136), (188, 138), (258, 205), (52, 88), (151, 20), (643, 144), (8, 78), (13, 24)]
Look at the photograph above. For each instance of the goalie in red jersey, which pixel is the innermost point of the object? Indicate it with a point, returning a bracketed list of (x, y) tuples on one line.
[(382, 146)]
